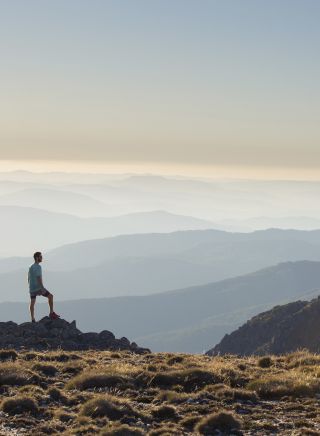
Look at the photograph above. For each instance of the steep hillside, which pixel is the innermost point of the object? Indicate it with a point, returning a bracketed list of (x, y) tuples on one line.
[(283, 329)]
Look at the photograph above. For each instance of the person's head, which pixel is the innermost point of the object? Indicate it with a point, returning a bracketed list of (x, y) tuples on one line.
[(37, 257)]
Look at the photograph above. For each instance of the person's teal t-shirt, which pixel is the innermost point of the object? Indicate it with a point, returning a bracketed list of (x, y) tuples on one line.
[(34, 272)]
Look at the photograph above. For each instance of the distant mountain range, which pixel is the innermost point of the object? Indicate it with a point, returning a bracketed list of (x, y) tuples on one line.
[(149, 263), (233, 205), (54, 200), (283, 329), (191, 319), (145, 264), (25, 230)]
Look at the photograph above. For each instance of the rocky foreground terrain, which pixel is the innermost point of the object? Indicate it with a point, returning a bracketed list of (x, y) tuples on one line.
[(50, 334), (127, 394), (283, 329)]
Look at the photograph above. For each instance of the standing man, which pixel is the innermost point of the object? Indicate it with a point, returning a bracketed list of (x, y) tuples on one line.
[(36, 286)]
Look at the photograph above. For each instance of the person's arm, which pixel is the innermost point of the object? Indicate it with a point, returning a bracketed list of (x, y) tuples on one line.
[(39, 278)]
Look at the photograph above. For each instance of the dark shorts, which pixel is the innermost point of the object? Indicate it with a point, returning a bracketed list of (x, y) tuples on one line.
[(43, 293)]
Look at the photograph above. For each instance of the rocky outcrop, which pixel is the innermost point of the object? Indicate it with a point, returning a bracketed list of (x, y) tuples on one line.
[(283, 329), (50, 334)]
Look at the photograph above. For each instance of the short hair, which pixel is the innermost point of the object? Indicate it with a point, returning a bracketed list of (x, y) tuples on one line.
[(37, 254)]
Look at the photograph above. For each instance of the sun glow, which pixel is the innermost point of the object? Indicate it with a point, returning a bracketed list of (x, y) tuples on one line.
[(167, 169)]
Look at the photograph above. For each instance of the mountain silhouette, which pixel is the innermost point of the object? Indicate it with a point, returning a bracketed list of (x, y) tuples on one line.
[(283, 329), (189, 319)]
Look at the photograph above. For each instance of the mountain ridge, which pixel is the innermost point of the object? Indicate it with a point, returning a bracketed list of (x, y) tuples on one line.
[(283, 329), (199, 307)]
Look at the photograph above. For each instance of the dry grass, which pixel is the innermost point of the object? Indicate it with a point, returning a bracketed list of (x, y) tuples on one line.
[(109, 406), (19, 405), (119, 393), (294, 384), (121, 430), (16, 375), (223, 421), (8, 355)]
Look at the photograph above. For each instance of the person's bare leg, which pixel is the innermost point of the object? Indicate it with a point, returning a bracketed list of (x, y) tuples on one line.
[(50, 301), (32, 303)]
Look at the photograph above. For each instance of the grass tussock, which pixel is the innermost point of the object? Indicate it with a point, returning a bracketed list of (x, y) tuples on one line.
[(222, 391), (59, 357), (223, 421), (56, 395), (47, 370), (164, 413), (92, 380), (302, 359), (190, 379), (16, 375), (295, 384), (8, 355), (107, 406), (173, 360), (171, 397), (121, 430), (120, 393), (19, 405), (265, 362)]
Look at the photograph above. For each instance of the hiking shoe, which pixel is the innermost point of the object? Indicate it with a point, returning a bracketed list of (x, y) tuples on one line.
[(53, 315), (33, 320)]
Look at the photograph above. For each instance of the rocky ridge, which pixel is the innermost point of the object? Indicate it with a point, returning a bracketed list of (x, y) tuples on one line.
[(50, 334), (283, 329)]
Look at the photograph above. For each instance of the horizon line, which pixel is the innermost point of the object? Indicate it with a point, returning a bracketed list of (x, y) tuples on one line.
[(228, 172)]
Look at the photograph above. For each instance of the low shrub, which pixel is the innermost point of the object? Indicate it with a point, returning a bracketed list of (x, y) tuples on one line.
[(164, 413), (302, 358), (121, 430), (72, 369), (11, 374), (190, 379), (19, 405), (164, 431), (223, 421), (171, 397), (56, 395), (285, 384), (8, 355), (223, 391), (175, 359), (106, 406), (265, 362), (91, 380), (31, 391), (59, 357), (64, 416), (30, 356), (115, 355), (47, 370), (189, 422)]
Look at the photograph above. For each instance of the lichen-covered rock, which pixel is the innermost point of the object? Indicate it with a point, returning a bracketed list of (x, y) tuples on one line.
[(50, 334)]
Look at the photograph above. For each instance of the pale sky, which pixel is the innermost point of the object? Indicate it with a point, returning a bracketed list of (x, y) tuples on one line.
[(182, 82)]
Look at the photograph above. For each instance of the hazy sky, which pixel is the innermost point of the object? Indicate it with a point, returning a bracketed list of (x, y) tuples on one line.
[(228, 82)]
